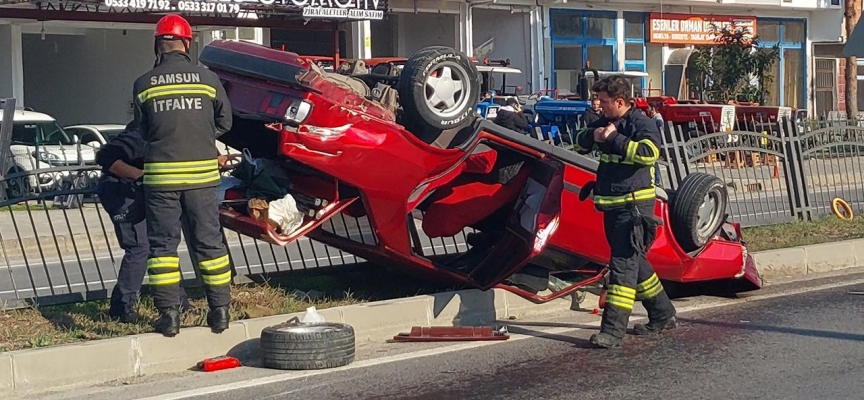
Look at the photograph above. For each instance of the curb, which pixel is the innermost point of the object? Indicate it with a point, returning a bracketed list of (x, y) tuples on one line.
[(811, 259), (60, 367)]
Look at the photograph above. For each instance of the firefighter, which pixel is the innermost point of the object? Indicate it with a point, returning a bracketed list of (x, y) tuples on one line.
[(182, 108), (121, 194), (625, 192)]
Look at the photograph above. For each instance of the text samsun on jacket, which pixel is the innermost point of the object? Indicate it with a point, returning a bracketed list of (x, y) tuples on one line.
[(181, 108)]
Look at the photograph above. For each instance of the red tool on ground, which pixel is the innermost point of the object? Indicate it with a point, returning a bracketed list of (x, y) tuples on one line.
[(218, 363), (451, 334)]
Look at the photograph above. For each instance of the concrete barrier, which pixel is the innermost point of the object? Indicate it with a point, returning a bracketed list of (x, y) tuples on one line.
[(60, 367), (812, 259)]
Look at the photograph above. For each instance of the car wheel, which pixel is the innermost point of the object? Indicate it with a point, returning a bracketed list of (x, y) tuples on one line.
[(298, 346), (439, 87), (698, 210)]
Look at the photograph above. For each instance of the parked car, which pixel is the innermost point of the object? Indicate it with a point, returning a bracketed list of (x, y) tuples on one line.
[(95, 135), (434, 165), (38, 142)]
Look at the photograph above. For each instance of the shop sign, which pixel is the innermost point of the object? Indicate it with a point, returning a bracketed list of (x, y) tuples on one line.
[(693, 29), (311, 9)]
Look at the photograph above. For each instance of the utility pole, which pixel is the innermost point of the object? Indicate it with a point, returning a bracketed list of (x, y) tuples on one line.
[(852, 14)]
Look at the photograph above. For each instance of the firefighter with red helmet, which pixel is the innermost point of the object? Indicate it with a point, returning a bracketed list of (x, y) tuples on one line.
[(181, 109)]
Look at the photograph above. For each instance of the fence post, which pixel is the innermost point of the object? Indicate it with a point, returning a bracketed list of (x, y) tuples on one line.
[(680, 159), (6, 138), (798, 194)]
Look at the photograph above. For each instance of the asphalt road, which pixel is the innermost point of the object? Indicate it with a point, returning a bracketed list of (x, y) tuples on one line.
[(795, 341), (799, 347)]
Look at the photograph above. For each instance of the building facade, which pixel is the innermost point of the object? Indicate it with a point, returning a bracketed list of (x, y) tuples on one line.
[(550, 40)]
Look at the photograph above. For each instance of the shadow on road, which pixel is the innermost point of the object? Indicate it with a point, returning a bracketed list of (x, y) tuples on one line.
[(779, 329)]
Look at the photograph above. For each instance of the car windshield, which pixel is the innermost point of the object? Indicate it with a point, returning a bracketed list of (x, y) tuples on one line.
[(31, 133)]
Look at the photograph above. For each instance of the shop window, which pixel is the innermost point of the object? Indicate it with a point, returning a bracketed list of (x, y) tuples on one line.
[(634, 25), (793, 60), (567, 64), (768, 31), (633, 51), (654, 66), (567, 23), (246, 34), (773, 96), (600, 26), (793, 32), (602, 58)]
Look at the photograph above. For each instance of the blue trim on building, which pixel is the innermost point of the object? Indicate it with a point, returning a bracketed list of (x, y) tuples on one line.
[(784, 45), (584, 41)]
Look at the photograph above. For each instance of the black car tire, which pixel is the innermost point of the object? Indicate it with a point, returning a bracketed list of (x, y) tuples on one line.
[(418, 100), (297, 346), (698, 210)]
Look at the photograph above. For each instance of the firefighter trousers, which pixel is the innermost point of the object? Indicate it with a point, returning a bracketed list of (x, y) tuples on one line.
[(199, 209), (631, 276)]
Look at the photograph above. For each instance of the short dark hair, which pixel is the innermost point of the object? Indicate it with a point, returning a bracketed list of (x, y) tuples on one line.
[(512, 101), (616, 86), (168, 45)]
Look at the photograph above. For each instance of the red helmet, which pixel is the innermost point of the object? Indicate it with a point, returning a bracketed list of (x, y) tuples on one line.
[(173, 26)]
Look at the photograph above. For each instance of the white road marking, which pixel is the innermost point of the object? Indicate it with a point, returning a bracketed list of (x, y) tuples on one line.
[(289, 376)]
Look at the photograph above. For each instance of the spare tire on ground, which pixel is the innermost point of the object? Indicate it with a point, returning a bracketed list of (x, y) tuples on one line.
[(698, 210), (298, 346), (438, 89)]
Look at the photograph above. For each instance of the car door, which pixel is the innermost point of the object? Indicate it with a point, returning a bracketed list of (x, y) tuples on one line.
[(532, 221)]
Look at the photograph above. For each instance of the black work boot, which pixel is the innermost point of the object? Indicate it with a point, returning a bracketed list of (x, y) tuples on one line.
[(606, 340), (655, 327), (168, 323), (218, 319)]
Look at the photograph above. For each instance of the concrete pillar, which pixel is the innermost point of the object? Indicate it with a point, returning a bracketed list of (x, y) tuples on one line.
[(465, 30), (619, 39), (11, 64), (538, 49), (361, 39)]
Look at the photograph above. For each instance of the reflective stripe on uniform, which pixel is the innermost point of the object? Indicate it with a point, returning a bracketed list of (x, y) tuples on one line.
[(633, 155), (621, 296), (163, 270), (178, 89), (216, 272), (639, 195), (214, 264), (217, 280), (649, 288), (181, 172)]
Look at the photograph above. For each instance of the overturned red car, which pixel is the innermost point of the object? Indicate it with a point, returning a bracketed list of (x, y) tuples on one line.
[(406, 150)]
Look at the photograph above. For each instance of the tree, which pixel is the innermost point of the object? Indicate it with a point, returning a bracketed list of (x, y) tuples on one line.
[(734, 67), (852, 14)]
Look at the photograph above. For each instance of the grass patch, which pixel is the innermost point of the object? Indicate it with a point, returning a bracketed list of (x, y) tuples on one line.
[(824, 230), (55, 325), (24, 207)]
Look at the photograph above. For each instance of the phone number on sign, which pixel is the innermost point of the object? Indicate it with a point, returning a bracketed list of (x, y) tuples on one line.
[(186, 5)]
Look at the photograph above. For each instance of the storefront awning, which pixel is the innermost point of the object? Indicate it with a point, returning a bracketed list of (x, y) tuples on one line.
[(298, 14), (855, 43)]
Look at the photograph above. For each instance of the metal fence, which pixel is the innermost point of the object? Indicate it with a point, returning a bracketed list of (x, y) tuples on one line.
[(775, 171), (59, 246)]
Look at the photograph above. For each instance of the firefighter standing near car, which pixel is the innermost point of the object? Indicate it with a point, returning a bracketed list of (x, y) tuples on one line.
[(122, 197), (624, 191), (182, 108)]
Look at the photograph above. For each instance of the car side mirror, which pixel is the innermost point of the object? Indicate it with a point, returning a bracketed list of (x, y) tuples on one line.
[(75, 139)]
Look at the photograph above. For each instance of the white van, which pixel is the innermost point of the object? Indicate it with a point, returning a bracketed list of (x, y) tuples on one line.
[(39, 142)]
